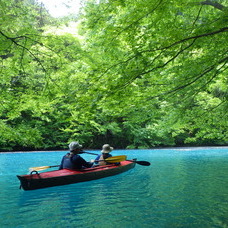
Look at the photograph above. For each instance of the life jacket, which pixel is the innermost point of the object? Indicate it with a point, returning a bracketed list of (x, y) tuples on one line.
[(72, 161), (101, 159), (102, 162)]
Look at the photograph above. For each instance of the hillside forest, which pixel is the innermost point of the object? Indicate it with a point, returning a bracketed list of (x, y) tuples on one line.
[(131, 73)]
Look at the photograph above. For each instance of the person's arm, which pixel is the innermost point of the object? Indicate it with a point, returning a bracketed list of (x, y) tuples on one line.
[(97, 159), (84, 162)]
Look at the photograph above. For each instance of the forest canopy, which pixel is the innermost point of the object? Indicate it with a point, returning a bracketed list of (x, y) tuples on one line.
[(135, 74)]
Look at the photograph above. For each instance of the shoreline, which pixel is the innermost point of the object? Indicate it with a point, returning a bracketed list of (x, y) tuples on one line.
[(157, 148)]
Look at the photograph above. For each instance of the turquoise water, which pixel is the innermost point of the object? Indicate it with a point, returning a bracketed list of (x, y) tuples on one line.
[(182, 188)]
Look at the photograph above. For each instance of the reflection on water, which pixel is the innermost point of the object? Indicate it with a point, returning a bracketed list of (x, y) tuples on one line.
[(181, 188)]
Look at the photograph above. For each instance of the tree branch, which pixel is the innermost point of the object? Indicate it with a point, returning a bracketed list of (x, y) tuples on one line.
[(212, 3), (197, 78), (23, 48), (225, 29), (157, 67)]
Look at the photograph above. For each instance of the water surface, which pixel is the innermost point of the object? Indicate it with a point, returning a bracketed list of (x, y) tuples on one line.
[(182, 188)]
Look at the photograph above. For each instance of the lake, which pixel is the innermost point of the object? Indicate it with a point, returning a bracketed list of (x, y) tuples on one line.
[(183, 187)]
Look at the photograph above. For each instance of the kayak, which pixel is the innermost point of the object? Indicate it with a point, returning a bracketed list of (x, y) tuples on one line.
[(36, 180)]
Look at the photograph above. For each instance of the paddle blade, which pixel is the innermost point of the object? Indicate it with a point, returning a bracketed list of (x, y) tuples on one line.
[(40, 168), (145, 163), (115, 159)]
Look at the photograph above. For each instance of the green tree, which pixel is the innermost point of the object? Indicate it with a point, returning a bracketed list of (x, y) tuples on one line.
[(140, 74), (170, 52), (30, 58)]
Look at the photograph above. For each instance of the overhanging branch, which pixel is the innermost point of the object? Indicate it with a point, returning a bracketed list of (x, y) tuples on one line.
[(212, 3), (225, 29)]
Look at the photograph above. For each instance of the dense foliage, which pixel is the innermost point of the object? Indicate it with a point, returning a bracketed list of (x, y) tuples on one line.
[(137, 74)]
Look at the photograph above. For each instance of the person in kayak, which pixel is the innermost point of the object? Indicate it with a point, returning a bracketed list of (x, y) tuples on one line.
[(73, 160), (105, 153)]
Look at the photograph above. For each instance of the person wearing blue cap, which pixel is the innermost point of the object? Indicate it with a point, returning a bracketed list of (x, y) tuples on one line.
[(73, 160)]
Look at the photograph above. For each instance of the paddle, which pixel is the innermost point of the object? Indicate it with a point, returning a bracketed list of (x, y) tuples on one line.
[(113, 159), (144, 163), (41, 168)]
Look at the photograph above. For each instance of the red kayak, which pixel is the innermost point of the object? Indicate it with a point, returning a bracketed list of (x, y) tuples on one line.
[(62, 177)]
